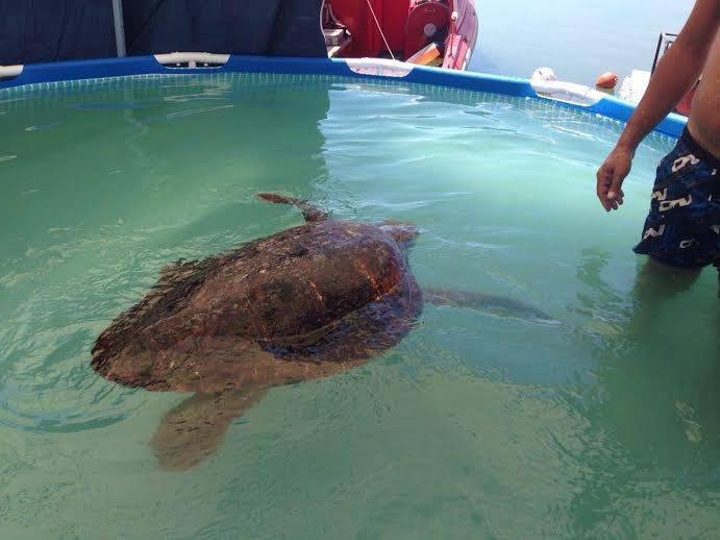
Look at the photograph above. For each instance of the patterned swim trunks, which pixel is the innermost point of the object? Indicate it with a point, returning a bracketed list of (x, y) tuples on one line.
[(683, 226)]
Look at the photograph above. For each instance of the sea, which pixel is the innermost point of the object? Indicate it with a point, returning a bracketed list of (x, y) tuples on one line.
[(578, 40)]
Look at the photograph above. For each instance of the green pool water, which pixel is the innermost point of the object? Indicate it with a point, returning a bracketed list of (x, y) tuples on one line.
[(474, 426)]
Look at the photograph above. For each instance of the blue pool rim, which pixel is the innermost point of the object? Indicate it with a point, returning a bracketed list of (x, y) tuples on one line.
[(607, 106)]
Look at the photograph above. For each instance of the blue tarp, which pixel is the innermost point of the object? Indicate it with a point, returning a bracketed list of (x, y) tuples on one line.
[(265, 27), (50, 30), (34, 31)]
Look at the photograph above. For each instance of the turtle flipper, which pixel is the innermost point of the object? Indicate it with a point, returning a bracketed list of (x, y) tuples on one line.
[(194, 429), (497, 305), (310, 213)]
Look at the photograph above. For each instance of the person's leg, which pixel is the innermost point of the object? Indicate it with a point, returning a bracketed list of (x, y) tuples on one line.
[(680, 235), (659, 280), (656, 283)]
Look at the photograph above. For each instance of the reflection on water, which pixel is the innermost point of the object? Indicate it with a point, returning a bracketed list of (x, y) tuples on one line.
[(473, 426), (653, 404)]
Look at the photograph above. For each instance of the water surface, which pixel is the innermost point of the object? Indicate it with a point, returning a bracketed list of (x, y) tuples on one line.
[(474, 426)]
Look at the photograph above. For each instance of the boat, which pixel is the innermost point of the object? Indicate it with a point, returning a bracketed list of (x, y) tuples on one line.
[(439, 33), (633, 87), (631, 90)]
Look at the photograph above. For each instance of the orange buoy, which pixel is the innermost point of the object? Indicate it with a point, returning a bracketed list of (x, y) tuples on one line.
[(606, 80), (425, 55)]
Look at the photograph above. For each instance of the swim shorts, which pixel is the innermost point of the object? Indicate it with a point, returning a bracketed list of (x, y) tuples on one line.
[(683, 226)]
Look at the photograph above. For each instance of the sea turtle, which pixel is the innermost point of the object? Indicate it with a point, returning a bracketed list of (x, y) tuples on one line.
[(304, 303)]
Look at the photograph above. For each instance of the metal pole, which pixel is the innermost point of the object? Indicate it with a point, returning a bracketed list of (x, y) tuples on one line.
[(119, 28)]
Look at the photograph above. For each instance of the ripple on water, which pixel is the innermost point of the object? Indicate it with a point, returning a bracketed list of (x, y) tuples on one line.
[(472, 421), (47, 384)]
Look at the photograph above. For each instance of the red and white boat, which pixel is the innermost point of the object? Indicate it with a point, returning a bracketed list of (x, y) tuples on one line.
[(429, 32)]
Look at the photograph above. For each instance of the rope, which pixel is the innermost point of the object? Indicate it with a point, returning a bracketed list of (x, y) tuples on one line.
[(382, 34)]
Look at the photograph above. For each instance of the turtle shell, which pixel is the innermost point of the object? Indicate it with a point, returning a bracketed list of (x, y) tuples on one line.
[(303, 303)]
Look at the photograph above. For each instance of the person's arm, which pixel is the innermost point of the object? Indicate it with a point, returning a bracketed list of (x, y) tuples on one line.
[(676, 72)]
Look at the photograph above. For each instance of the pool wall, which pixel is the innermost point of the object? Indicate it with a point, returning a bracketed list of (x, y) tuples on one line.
[(35, 74)]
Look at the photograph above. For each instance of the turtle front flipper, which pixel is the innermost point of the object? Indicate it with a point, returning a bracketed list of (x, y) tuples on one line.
[(194, 429), (310, 213), (496, 305)]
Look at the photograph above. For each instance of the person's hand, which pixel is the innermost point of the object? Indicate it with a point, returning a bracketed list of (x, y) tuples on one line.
[(610, 177)]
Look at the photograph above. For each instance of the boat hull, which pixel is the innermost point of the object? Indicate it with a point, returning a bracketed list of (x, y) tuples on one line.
[(431, 32)]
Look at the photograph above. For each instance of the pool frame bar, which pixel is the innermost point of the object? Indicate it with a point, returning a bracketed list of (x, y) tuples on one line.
[(570, 95)]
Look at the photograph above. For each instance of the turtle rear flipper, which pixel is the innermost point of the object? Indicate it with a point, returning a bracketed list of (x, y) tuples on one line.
[(502, 306), (194, 429), (310, 213)]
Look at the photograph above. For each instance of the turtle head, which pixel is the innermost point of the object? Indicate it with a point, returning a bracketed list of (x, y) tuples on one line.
[(404, 233)]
